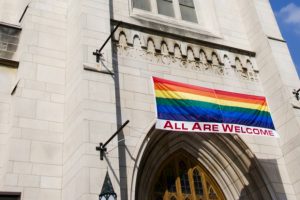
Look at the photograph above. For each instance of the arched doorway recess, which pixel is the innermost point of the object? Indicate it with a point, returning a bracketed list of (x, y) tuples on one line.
[(183, 178), (231, 167)]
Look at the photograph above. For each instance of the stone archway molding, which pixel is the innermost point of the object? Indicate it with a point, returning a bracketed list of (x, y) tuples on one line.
[(226, 157)]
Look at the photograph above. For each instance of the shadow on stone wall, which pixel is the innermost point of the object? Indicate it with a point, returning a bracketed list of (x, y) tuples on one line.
[(265, 181), (121, 138)]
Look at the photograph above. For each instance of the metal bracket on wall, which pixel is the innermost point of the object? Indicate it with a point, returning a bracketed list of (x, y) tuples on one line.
[(102, 147), (97, 68), (296, 102), (98, 53), (14, 88), (23, 14), (297, 94)]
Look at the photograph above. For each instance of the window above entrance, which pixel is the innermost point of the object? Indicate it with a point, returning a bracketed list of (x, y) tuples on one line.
[(184, 14), (10, 196), (182, 179), (179, 9)]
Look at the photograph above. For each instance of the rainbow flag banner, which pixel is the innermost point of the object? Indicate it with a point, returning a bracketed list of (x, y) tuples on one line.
[(187, 108)]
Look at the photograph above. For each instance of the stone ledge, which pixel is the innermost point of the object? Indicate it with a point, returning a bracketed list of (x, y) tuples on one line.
[(10, 25), (9, 63), (97, 68)]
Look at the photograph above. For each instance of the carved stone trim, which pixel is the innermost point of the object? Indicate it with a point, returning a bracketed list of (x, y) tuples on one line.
[(171, 52)]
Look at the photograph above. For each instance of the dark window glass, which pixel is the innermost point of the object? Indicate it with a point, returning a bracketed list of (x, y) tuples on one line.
[(9, 197), (171, 178), (165, 7), (142, 4), (184, 179), (187, 9), (198, 183), (159, 187)]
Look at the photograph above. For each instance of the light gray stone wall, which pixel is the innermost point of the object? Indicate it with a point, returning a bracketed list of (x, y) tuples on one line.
[(60, 112), (230, 29), (279, 78), (137, 64), (136, 74), (7, 79), (90, 105), (11, 11), (34, 161)]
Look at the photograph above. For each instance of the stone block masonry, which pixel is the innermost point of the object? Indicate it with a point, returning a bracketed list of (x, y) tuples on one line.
[(60, 112)]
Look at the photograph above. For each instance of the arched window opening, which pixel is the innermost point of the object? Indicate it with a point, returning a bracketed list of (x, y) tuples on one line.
[(198, 183), (170, 179), (183, 179)]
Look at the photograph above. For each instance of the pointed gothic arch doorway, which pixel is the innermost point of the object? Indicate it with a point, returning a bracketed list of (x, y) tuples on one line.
[(232, 170)]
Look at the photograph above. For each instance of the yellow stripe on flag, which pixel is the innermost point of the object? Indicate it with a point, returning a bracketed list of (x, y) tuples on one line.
[(188, 96)]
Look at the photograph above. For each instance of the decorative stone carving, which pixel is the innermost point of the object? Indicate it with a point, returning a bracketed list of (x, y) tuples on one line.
[(250, 70), (190, 59), (180, 54), (177, 52), (150, 55), (122, 45), (216, 65), (137, 43), (165, 57), (241, 71), (177, 55), (137, 51), (228, 70), (204, 65)]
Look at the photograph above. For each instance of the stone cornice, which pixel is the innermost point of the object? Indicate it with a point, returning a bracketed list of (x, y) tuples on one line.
[(10, 25)]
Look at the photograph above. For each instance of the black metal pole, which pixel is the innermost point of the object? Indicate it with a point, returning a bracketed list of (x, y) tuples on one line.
[(111, 34), (116, 133), (25, 10), (98, 53), (102, 147)]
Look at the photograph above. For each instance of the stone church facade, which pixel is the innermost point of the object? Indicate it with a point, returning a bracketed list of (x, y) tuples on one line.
[(57, 103)]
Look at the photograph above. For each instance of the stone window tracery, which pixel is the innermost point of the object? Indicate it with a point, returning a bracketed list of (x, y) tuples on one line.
[(182, 179)]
